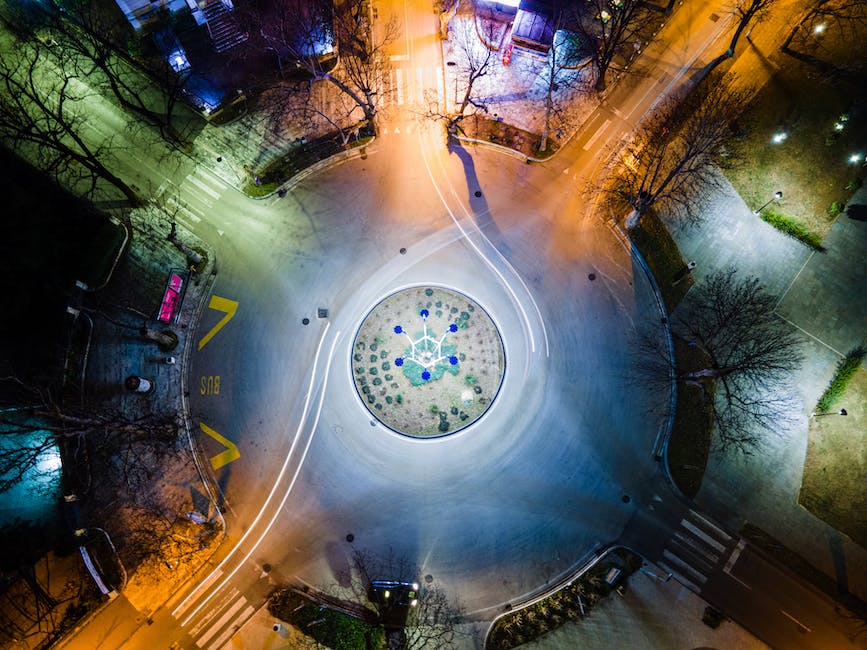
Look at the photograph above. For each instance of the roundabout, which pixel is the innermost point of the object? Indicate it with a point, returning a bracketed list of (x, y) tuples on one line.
[(513, 293), (433, 375)]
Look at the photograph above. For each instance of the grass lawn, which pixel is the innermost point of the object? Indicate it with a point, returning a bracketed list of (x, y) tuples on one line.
[(691, 431), (810, 167), (836, 464)]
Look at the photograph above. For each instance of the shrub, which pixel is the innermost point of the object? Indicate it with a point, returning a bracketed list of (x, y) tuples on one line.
[(835, 209), (846, 369), (792, 228)]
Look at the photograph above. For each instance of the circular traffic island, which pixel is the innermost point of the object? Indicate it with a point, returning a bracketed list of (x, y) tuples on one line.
[(427, 361)]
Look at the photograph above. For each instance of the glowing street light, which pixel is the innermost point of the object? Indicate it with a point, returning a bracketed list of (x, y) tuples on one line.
[(820, 28), (855, 158), (779, 136), (818, 415), (777, 196)]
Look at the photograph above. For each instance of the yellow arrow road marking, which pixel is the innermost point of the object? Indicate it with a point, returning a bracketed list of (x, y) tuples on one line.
[(224, 457), (229, 307)]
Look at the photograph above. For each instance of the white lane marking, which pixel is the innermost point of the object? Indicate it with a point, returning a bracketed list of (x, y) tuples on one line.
[(204, 622), (273, 491), (719, 531), (734, 556), (399, 83), (216, 627), (192, 191), (489, 262), (679, 577), (184, 223), (668, 555), (789, 616), (596, 135), (698, 532), (203, 186), (225, 636), (207, 583), (700, 549), (208, 177), (191, 212)]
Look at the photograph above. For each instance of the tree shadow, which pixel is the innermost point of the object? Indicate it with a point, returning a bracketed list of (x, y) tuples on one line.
[(838, 555), (476, 198), (826, 69), (858, 212)]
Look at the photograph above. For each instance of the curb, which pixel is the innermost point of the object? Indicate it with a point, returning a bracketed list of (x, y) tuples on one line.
[(600, 555), (205, 285), (660, 445), (120, 251), (336, 159)]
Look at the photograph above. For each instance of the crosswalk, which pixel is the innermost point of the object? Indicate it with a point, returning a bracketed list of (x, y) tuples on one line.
[(211, 621), (697, 549), (201, 190), (417, 87)]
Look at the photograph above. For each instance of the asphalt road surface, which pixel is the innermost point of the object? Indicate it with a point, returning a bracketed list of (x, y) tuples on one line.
[(563, 463)]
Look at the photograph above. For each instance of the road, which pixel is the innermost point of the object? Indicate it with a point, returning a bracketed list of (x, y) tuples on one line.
[(565, 460)]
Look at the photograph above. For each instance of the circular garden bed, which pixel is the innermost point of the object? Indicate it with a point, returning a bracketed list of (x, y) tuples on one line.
[(427, 361)]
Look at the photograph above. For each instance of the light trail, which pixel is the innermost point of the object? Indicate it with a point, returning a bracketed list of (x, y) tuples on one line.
[(181, 607), (490, 264)]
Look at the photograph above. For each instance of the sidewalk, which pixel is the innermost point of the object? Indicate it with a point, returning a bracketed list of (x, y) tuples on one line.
[(117, 351), (820, 296)]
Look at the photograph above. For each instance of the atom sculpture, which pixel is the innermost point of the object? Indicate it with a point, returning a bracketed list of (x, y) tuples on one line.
[(426, 350)]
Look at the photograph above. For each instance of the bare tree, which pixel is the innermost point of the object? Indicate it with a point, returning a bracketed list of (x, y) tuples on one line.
[(747, 13), (567, 59), (304, 35), (48, 422), (846, 20), (43, 117), (475, 61), (749, 356), (613, 28), (674, 155), (90, 45), (432, 623)]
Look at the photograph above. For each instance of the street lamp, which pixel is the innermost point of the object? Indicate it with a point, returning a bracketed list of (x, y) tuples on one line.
[(777, 197), (818, 415)]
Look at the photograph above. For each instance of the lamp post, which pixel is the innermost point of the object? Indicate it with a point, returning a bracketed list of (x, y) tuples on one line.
[(777, 196), (818, 415)]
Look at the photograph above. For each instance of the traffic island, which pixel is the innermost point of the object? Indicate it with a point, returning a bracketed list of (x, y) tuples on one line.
[(427, 361), (572, 603)]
